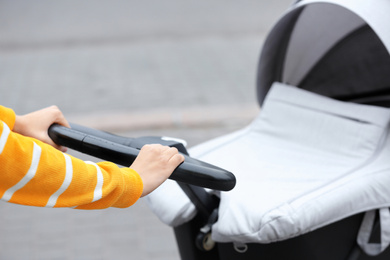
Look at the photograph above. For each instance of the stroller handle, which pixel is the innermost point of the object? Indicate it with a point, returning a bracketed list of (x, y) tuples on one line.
[(119, 150)]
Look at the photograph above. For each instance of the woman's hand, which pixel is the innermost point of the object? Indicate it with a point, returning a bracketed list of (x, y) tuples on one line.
[(155, 163), (36, 124)]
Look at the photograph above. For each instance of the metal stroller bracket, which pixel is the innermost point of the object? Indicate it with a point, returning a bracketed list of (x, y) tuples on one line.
[(203, 239)]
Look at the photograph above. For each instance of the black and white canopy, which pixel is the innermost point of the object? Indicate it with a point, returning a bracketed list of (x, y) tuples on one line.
[(336, 48)]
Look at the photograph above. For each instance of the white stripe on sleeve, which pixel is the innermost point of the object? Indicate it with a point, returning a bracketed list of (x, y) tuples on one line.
[(98, 192), (68, 179), (29, 175), (4, 136)]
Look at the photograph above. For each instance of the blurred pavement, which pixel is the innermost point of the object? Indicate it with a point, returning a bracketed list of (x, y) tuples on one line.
[(179, 68)]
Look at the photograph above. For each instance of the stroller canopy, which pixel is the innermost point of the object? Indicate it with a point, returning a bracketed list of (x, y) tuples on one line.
[(338, 49)]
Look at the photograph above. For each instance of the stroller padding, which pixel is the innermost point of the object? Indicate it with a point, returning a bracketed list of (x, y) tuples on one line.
[(306, 161)]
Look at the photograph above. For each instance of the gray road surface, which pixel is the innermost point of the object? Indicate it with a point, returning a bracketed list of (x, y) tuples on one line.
[(179, 68)]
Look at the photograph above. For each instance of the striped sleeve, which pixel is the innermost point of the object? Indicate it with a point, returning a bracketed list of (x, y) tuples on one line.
[(7, 115), (36, 174)]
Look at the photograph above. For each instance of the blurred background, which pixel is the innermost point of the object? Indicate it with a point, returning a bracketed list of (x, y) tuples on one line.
[(185, 69)]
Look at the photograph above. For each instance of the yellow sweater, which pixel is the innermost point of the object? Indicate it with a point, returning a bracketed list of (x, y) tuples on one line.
[(36, 174)]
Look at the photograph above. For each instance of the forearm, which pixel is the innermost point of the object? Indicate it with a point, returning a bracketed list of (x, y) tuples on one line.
[(36, 174), (8, 116)]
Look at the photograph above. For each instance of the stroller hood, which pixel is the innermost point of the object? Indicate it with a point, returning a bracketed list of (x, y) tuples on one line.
[(338, 49)]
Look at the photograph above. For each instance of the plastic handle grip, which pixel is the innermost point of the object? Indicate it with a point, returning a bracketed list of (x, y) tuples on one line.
[(191, 171)]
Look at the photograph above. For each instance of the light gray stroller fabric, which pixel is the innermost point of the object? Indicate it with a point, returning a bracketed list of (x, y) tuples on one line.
[(366, 230), (306, 161)]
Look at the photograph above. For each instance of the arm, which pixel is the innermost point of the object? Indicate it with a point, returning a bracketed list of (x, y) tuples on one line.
[(34, 173), (8, 116)]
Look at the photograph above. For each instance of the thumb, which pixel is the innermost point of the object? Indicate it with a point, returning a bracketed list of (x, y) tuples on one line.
[(46, 139)]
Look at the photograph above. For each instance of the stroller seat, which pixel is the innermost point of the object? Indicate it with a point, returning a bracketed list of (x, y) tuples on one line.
[(304, 162)]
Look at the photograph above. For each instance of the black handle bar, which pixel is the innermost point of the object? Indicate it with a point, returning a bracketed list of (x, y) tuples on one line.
[(119, 150)]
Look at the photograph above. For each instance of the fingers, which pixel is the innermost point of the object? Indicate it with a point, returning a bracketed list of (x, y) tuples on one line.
[(46, 139), (155, 163), (58, 147), (169, 154), (57, 116), (174, 157), (178, 159)]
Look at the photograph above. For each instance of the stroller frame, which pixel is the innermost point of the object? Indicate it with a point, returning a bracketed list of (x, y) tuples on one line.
[(336, 241)]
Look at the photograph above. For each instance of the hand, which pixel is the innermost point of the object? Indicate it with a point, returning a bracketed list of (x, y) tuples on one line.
[(36, 124), (155, 163)]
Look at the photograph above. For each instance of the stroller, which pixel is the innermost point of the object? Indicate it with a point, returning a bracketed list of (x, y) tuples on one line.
[(312, 168), (312, 181)]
